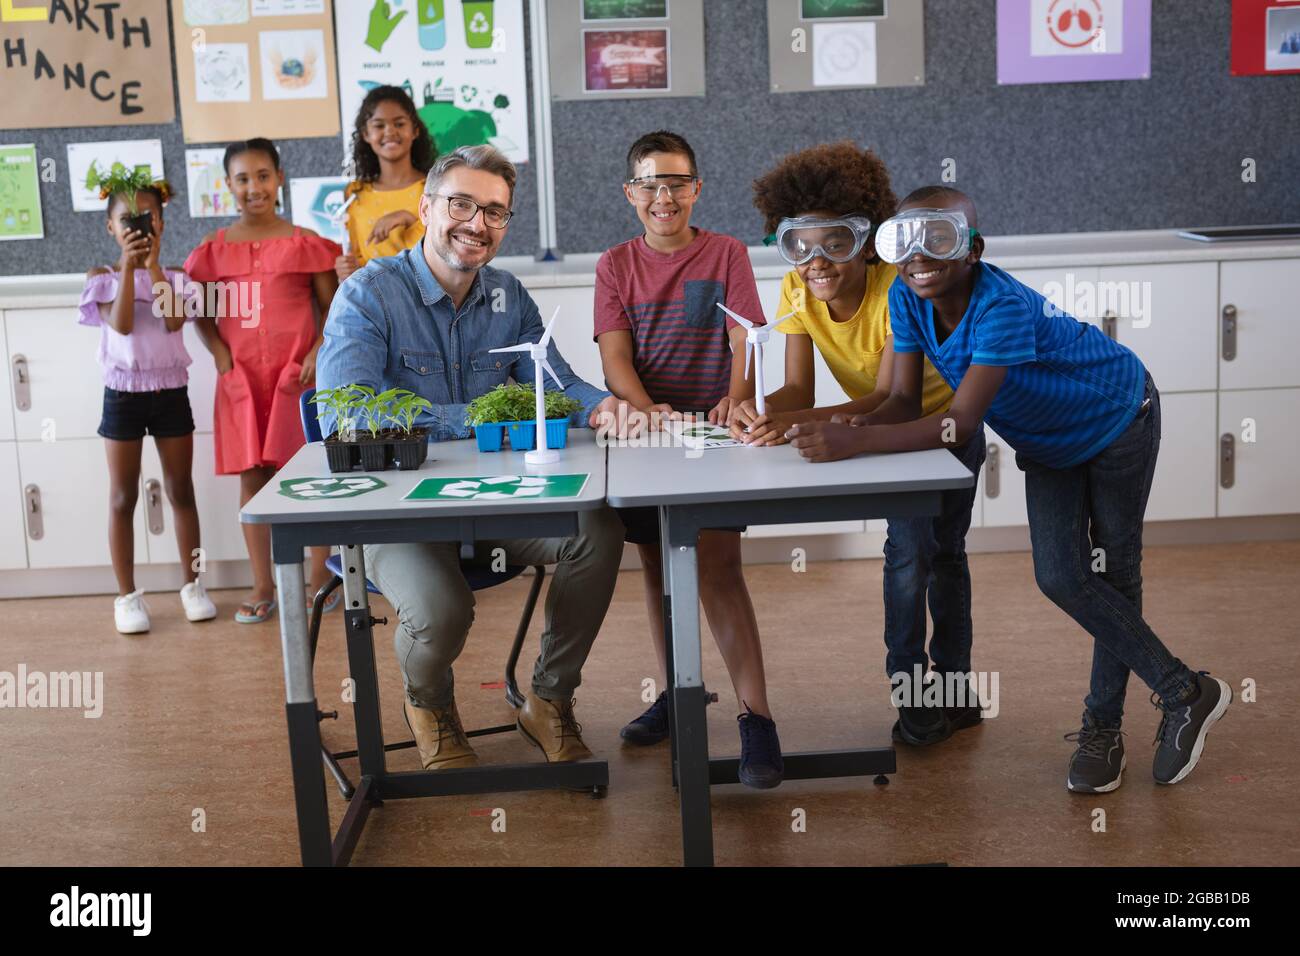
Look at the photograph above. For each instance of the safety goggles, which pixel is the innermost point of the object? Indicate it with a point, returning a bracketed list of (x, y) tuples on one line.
[(839, 240), (937, 233), (647, 189)]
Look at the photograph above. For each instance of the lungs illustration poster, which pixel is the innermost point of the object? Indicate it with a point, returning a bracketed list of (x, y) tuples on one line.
[(461, 61), (1072, 41)]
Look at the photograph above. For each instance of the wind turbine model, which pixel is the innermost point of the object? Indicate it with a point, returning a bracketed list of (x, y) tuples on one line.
[(541, 455), (755, 338)]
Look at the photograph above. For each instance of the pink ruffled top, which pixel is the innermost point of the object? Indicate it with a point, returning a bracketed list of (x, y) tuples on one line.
[(150, 357)]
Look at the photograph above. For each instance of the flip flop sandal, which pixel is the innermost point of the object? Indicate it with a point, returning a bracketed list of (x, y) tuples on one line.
[(256, 617), (331, 602)]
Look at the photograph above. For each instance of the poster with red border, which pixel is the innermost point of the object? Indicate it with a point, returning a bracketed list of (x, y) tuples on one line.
[(1265, 37)]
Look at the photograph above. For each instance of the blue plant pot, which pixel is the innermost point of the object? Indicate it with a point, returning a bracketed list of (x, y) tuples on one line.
[(490, 436), (557, 432), (523, 435)]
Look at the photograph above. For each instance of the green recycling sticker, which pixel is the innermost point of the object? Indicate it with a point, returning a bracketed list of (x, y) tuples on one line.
[(498, 488), (314, 489)]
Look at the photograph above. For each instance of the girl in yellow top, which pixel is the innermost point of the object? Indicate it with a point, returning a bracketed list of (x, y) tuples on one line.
[(824, 204), (392, 152)]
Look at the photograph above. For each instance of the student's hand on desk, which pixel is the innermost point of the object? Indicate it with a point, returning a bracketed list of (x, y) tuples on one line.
[(660, 413), (615, 418), (857, 421), (397, 219), (751, 428), (826, 441), (720, 414)]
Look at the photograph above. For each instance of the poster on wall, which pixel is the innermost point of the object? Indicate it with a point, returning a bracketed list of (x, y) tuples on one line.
[(100, 64), (460, 61), (621, 60), (20, 193), (316, 201), (250, 68), (1265, 37), (205, 182), (624, 10), (844, 44), (1073, 41), (131, 153)]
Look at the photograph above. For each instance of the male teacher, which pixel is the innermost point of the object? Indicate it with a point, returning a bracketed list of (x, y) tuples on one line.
[(427, 320)]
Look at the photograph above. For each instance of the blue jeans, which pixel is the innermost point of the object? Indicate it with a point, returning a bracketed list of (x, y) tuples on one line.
[(1086, 527), (925, 559)]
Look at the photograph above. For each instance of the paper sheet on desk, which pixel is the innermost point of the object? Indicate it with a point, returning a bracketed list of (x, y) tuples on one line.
[(498, 488), (702, 434)]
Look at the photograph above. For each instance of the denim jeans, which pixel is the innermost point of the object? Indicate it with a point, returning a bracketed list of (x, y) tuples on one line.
[(1085, 524), (925, 560)]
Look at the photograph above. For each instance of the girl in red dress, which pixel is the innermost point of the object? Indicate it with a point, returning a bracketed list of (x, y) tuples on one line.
[(272, 283)]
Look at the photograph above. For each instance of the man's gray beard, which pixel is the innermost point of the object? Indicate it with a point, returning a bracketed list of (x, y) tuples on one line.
[(453, 260)]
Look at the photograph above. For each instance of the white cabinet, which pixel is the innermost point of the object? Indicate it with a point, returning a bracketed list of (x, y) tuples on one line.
[(573, 330), (72, 478), (6, 389), (1266, 297), (1002, 485), (13, 534), (1264, 470), (1168, 315), (1071, 290), (67, 391), (203, 379), (217, 497), (1183, 486)]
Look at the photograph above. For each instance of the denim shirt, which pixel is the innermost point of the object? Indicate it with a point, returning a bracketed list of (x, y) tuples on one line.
[(392, 325)]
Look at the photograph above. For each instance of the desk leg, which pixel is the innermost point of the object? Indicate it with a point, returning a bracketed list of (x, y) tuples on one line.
[(361, 662), (668, 638), (314, 840), (689, 727)]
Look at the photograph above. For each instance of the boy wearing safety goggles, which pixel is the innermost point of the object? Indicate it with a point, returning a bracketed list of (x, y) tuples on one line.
[(668, 349), (823, 203), (1084, 417)]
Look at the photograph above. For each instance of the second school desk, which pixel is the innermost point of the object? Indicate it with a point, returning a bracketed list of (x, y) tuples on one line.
[(725, 487), (381, 516)]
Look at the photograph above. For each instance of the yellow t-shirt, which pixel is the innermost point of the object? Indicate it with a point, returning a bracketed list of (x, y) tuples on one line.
[(373, 204), (853, 349)]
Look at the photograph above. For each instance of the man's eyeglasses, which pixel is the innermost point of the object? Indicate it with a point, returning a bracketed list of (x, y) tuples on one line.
[(647, 189), (464, 210)]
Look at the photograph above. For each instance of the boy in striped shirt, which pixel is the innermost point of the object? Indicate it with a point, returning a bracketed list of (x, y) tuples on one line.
[(1083, 414), (669, 350)]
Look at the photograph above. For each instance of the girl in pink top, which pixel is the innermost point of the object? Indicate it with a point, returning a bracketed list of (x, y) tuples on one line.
[(139, 309), (271, 284)]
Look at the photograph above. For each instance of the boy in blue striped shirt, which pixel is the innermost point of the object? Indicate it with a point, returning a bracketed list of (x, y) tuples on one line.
[(1084, 417)]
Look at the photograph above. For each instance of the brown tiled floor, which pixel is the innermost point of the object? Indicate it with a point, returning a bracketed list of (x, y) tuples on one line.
[(194, 719)]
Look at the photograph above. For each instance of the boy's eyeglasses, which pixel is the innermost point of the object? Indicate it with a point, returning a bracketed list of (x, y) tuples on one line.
[(464, 210), (647, 188)]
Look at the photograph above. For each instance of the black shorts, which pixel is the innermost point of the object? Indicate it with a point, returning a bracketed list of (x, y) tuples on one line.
[(642, 525), (128, 416)]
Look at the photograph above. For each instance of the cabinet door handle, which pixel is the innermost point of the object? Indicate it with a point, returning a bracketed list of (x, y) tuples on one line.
[(153, 505), (1227, 461), (1110, 326), (1228, 334), (22, 384), (992, 472), (35, 514)]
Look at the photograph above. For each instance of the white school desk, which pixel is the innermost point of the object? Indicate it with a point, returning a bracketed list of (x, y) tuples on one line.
[(726, 487), (381, 516)]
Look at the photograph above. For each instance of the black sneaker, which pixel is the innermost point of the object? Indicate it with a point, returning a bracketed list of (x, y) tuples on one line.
[(921, 726), (761, 766), (1098, 762), (963, 713), (652, 726), (1181, 736)]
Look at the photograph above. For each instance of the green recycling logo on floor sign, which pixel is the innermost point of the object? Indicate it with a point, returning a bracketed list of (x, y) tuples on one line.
[(498, 487), (313, 489)]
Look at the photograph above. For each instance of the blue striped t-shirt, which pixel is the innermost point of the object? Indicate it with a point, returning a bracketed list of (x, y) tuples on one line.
[(1069, 390)]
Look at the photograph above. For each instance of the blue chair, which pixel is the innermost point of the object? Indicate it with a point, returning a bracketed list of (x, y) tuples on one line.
[(477, 577)]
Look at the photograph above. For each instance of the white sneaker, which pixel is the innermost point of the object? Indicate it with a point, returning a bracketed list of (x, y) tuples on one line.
[(198, 606), (131, 613)]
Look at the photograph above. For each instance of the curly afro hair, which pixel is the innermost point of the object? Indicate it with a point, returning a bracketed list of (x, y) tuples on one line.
[(840, 177)]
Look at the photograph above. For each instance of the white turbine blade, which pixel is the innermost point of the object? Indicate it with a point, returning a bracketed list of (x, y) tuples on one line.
[(546, 336), (739, 318), (546, 366), (526, 347), (749, 354), (775, 322)]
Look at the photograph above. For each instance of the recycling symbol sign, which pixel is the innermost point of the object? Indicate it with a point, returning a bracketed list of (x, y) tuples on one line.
[(312, 489), (478, 23), (498, 488)]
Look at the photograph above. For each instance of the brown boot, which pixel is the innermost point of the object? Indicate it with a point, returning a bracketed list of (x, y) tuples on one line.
[(439, 737), (550, 725)]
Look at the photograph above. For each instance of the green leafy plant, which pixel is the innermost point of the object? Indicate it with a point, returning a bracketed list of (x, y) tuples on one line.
[(406, 406), (516, 403), (125, 181)]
